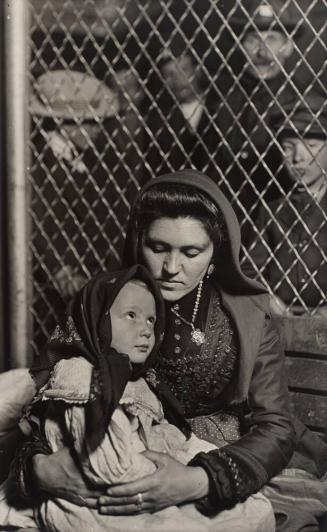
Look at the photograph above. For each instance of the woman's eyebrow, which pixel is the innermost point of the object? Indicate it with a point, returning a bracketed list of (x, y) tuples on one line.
[(191, 245), (194, 245), (156, 240)]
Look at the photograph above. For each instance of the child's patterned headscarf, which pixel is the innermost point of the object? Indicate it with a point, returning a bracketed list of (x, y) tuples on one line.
[(86, 332)]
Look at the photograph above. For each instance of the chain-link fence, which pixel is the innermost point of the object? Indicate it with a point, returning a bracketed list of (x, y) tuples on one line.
[(185, 83)]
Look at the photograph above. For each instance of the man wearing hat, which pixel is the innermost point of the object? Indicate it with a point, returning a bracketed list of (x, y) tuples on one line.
[(292, 230), (182, 123), (265, 31), (73, 190)]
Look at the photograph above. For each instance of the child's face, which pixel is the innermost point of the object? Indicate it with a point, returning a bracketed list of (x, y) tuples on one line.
[(306, 159), (133, 315)]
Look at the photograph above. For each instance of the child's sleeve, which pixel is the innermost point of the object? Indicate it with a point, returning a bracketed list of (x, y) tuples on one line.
[(34, 442), (43, 420)]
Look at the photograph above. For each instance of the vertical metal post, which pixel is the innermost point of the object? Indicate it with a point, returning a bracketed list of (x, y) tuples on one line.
[(16, 69)]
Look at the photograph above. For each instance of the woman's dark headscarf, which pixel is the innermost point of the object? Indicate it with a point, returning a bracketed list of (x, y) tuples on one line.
[(227, 273), (86, 332)]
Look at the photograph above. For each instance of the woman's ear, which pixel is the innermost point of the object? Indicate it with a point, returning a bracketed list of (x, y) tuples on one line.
[(288, 48), (210, 270)]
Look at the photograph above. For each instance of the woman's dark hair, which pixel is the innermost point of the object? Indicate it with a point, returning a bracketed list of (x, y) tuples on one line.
[(173, 201)]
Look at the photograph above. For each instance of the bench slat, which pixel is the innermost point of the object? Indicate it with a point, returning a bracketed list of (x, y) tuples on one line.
[(307, 373), (303, 334), (311, 409)]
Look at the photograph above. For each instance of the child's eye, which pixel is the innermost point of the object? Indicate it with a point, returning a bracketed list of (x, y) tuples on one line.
[(131, 315), (152, 320)]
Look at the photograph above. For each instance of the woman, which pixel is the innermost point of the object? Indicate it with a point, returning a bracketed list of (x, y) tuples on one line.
[(221, 357)]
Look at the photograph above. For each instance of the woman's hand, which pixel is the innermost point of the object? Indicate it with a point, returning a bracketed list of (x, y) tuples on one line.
[(58, 475), (171, 484)]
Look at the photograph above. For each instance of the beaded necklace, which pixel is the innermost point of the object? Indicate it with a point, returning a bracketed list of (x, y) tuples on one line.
[(197, 336)]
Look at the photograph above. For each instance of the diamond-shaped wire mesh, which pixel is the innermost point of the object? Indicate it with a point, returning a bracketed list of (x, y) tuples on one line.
[(89, 159)]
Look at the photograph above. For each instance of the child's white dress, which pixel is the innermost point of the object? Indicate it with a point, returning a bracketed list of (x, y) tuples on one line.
[(136, 425)]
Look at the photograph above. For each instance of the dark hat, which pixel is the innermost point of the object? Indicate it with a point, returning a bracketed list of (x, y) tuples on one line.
[(264, 15), (70, 94), (305, 117)]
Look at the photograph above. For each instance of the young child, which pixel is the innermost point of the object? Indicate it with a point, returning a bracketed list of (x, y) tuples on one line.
[(93, 398), (292, 232)]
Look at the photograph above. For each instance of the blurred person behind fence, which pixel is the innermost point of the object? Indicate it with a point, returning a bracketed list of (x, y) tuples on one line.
[(130, 137), (71, 199), (292, 229), (72, 189), (248, 154), (182, 119)]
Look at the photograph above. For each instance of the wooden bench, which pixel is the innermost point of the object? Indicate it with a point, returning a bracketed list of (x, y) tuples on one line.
[(305, 343)]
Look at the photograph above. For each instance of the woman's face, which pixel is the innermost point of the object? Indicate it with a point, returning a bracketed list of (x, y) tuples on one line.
[(178, 252)]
